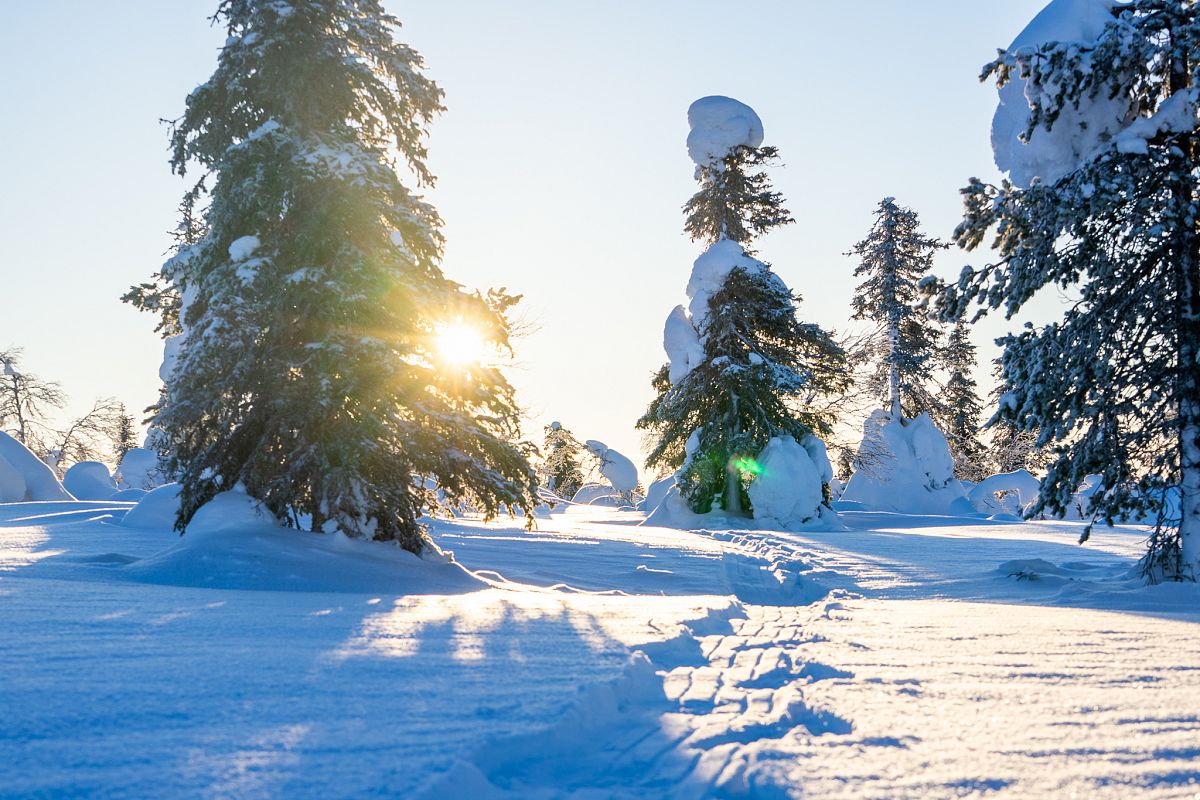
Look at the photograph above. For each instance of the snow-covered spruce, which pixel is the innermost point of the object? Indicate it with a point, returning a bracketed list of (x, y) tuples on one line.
[(561, 469), (310, 292), (905, 466), (742, 366), (893, 260), (961, 407), (1116, 382)]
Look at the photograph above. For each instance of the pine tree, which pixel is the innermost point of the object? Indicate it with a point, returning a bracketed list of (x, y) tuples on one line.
[(1114, 382), (312, 302), (757, 362), (961, 407), (125, 433), (561, 467), (895, 257)]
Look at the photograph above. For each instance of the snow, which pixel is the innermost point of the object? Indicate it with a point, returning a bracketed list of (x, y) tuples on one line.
[(901, 656), (718, 125), (1176, 114), (138, 469), (89, 480), (233, 543), (709, 273), (681, 333), (905, 467), (23, 476), (1023, 487), (788, 491), (158, 509), (682, 343), (1078, 132), (615, 467), (172, 348), (241, 249)]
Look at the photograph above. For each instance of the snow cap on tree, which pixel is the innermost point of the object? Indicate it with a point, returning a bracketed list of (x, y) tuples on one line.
[(718, 125), (1023, 146)]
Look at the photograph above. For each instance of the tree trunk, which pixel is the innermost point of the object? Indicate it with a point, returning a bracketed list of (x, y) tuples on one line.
[(1188, 304), (733, 490), (893, 367), (1189, 406)]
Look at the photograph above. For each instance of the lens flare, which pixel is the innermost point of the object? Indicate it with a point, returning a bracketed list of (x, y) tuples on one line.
[(458, 344), (747, 466)]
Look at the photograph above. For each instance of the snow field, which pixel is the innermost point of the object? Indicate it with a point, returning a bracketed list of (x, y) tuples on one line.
[(595, 657)]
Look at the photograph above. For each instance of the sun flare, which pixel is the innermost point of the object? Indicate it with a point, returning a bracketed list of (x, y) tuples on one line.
[(459, 344)]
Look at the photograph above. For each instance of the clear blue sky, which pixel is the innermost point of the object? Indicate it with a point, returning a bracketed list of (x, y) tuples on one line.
[(561, 165)]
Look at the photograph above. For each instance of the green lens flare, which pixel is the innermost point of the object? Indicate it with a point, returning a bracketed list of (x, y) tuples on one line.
[(747, 466)]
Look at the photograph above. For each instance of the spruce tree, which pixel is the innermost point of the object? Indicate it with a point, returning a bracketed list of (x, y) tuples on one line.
[(124, 434), (312, 299), (561, 467), (1115, 382), (961, 407), (756, 362), (895, 258)]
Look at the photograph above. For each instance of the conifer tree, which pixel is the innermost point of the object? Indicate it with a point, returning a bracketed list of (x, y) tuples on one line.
[(894, 258), (1115, 382), (755, 362), (561, 466), (961, 407), (124, 433), (311, 297)]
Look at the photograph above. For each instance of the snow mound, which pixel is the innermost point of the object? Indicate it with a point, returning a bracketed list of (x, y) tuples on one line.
[(718, 125), (138, 469), (1020, 483), (129, 496), (596, 494), (89, 480), (25, 477), (234, 543), (615, 467), (1078, 132), (906, 468), (656, 494), (158, 509), (789, 490)]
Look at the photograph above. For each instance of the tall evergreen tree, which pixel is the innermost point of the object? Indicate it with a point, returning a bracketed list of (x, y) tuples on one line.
[(312, 300), (1115, 382), (961, 407), (894, 258), (756, 362), (561, 467)]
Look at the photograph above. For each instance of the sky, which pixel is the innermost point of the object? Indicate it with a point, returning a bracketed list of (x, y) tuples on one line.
[(561, 167)]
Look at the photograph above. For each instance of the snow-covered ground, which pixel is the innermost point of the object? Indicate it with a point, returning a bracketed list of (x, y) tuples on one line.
[(594, 657)]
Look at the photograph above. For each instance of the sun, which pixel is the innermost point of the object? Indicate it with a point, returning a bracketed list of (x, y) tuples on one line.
[(458, 344)]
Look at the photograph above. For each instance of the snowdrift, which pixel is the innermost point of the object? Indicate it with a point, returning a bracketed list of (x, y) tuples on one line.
[(1022, 488), (789, 490), (89, 480), (157, 510), (24, 477), (138, 470), (787, 494), (232, 543), (906, 468)]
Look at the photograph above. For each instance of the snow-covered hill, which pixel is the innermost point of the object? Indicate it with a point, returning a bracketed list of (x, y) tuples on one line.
[(594, 657)]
